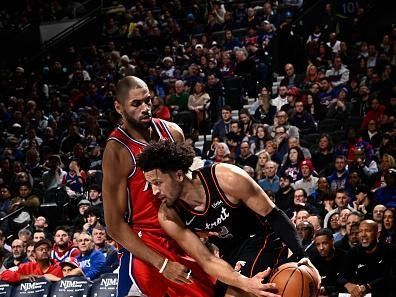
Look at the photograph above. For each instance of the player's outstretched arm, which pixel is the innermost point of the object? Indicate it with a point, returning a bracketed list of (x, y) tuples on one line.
[(115, 173), (214, 266), (250, 193)]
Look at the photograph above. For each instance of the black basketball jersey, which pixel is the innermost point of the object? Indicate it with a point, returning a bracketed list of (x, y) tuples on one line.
[(233, 222)]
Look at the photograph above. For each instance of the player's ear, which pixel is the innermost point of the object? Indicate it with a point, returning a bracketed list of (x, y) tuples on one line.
[(117, 106)]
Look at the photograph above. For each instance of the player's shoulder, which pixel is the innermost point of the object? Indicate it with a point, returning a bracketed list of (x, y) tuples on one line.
[(228, 174), (175, 130)]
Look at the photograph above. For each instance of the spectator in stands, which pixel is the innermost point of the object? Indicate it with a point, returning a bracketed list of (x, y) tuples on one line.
[(246, 68), (220, 152), (351, 238), (338, 74), (179, 100), (271, 148), (30, 250), (333, 43), (259, 140), (79, 220), (311, 77), (199, 102), (378, 214), (40, 224), (316, 221), (387, 195), (322, 192), (372, 135), (215, 91), (90, 261), (281, 100), (363, 164), (368, 267), (25, 235), (293, 94), (388, 230), (92, 218), (222, 127), (109, 251), (53, 177), (338, 178), (300, 201), (323, 157), (305, 231), (301, 216), (376, 113), (71, 139), (291, 167), (263, 157), (308, 182), (246, 157), (95, 197), (360, 104), (302, 119), (342, 202), (159, 110), (44, 266), (38, 235), (329, 261), (63, 247), (246, 122), (230, 42), (327, 95), (70, 267), (339, 109), (5, 199), (343, 219), (284, 197), (271, 180), (265, 112), (33, 165), (75, 179), (364, 201), (281, 119), (291, 78), (18, 254)]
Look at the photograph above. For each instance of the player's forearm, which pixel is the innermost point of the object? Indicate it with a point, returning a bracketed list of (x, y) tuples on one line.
[(223, 271), (125, 236), (284, 228)]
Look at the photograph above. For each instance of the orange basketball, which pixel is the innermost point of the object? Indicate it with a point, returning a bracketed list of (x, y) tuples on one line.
[(295, 281)]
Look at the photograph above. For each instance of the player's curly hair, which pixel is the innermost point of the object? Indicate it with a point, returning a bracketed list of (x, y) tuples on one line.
[(166, 156)]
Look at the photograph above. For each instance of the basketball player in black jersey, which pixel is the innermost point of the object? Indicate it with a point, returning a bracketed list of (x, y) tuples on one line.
[(220, 200)]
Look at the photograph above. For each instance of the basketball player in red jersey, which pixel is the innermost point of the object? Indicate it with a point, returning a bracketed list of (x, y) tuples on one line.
[(151, 264)]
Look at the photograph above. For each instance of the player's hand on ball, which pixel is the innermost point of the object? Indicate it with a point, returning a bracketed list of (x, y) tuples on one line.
[(256, 286), (305, 261), (178, 273)]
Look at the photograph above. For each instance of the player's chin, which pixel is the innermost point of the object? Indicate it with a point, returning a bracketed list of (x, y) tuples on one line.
[(145, 120)]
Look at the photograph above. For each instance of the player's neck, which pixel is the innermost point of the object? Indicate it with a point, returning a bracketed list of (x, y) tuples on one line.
[(193, 193), (140, 134)]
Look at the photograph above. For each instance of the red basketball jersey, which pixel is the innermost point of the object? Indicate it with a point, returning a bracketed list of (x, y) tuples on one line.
[(143, 207)]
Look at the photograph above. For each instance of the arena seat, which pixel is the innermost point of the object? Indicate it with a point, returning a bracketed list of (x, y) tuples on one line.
[(39, 288), (105, 286), (76, 286), (328, 125)]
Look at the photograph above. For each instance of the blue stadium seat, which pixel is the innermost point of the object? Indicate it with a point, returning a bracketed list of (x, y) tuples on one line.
[(105, 286), (40, 288), (72, 286)]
